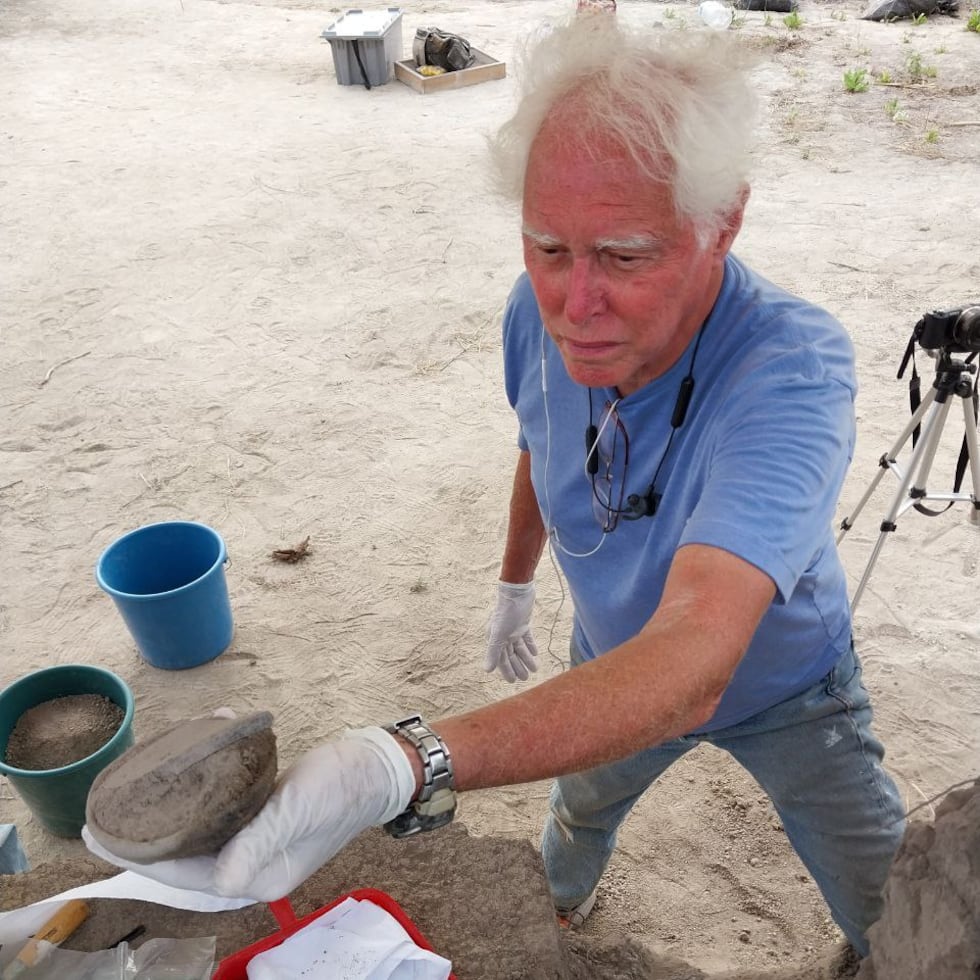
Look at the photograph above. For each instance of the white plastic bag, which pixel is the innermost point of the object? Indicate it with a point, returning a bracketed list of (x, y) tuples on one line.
[(156, 959)]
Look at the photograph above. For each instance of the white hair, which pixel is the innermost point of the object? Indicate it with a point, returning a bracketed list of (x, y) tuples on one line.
[(679, 104)]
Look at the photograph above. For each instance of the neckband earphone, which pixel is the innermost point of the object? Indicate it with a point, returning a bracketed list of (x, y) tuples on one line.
[(645, 504), (638, 505)]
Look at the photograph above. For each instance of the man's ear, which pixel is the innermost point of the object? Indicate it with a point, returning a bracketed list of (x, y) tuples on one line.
[(731, 223)]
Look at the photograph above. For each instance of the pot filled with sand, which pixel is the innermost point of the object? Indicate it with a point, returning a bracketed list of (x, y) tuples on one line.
[(59, 728)]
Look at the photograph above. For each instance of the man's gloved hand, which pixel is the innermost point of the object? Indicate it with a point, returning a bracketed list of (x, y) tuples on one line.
[(510, 646), (320, 804)]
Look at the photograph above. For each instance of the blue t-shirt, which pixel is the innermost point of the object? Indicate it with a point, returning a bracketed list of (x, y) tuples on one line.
[(755, 469)]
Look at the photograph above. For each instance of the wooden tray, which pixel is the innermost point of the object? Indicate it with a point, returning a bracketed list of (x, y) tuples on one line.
[(484, 70)]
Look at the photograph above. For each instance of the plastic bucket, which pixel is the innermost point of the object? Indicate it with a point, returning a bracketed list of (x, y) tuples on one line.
[(168, 583), (57, 797)]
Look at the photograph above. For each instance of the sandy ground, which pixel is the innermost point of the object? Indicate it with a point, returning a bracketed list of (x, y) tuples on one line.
[(239, 293)]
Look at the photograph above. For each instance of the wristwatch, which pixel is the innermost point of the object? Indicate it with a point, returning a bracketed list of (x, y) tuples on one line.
[(436, 802)]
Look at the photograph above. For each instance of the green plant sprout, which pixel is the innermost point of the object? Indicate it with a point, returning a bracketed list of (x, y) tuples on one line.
[(793, 21), (918, 72), (884, 77), (856, 80), (973, 22)]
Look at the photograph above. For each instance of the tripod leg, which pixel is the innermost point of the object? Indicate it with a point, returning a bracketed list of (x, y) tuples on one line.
[(887, 461), (973, 454), (920, 462)]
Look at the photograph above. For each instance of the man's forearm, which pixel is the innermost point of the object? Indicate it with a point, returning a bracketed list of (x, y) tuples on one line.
[(526, 535), (665, 681)]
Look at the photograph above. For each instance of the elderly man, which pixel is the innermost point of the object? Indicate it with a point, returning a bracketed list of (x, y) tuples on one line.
[(684, 429)]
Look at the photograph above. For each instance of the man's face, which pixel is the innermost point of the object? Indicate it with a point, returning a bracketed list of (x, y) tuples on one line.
[(621, 283)]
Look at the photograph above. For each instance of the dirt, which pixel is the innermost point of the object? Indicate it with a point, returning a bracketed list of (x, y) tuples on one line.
[(931, 924), (495, 920), (61, 731), (484, 904), (185, 791)]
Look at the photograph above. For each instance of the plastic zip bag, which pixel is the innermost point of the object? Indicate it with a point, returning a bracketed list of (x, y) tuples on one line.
[(156, 959)]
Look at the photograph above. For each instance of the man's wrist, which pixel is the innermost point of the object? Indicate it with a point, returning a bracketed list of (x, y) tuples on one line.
[(433, 803)]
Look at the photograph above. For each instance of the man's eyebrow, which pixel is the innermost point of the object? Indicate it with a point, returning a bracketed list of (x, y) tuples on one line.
[(540, 238), (632, 243)]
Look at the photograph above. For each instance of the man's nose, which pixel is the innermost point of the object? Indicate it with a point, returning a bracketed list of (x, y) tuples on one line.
[(583, 290)]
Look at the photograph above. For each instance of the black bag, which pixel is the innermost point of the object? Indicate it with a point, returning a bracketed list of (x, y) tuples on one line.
[(447, 51), (899, 9), (776, 6)]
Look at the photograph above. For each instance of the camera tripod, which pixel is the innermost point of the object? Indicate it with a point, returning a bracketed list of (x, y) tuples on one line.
[(953, 379)]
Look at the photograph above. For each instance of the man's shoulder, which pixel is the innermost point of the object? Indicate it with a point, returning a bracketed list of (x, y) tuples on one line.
[(764, 302), (521, 299), (779, 329), (522, 320)]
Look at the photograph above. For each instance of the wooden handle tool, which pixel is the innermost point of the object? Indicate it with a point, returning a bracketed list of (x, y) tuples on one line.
[(55, 931)]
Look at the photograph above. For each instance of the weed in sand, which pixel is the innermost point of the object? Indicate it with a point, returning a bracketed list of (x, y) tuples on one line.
[(973, 22), (896, 113), (917, 71), (884, 77), (932, 136), (856, 80), (918, 19), (793, 21)]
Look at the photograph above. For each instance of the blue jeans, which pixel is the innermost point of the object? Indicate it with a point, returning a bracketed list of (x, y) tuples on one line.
[(816, 758)]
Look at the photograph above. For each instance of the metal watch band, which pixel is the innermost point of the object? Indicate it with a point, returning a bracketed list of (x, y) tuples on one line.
[(436, 802)]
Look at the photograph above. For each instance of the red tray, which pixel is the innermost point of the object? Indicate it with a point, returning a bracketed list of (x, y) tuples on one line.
[(234, 967)]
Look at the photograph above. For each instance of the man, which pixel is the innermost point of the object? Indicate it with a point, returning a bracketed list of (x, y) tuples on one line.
[(692, 521)]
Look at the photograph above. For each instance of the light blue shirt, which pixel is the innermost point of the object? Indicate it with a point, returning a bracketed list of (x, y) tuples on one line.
[(756, 470)]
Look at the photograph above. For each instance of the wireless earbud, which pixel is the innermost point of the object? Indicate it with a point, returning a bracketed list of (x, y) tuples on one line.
[(683, 400), (645, 506)]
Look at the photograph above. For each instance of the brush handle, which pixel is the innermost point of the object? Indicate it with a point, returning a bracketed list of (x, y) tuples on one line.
[(55, 931)]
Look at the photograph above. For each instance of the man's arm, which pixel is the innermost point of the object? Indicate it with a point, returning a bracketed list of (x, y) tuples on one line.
[(526, 535), (662, 683)]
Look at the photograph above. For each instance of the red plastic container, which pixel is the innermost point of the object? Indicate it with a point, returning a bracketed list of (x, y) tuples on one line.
[(234, 967)]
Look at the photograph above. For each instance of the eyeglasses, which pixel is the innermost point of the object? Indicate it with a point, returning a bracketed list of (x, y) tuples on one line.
[(607, 461)]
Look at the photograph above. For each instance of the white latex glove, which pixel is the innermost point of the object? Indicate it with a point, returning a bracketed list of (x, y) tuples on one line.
[(324, 800), (510, 647)]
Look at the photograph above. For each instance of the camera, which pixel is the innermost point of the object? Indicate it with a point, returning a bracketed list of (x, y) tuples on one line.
[(955, 330)]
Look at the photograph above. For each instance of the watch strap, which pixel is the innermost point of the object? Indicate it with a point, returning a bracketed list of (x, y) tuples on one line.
[(435, 805)]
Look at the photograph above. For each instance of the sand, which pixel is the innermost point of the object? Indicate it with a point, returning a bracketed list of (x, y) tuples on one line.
[(61, 731), (495, 920), (184, 791), (239, 293)]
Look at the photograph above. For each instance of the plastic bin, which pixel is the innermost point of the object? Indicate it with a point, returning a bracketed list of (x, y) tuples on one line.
[(365, 45), (235, 967)]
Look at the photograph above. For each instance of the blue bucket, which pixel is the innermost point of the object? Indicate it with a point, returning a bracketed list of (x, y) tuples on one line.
[(168, 583)]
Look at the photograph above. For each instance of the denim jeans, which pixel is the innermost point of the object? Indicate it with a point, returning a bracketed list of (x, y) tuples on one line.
[(816, 758)]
